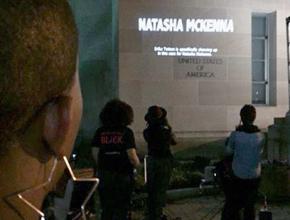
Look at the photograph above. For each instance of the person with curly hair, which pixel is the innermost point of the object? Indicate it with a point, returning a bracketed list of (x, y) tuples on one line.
[(245, 144), (114, 150), (159, 137)]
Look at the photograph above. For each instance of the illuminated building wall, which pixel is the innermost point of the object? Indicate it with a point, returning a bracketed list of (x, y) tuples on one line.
[(202, 60)]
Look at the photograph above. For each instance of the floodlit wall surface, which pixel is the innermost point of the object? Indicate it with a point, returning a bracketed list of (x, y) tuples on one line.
[(203, 92)]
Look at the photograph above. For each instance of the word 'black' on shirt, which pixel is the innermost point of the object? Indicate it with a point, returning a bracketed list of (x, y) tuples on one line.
[(113, 143)]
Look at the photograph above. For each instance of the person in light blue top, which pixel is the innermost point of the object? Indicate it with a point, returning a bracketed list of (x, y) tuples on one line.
[(245, 144), (246, 149)]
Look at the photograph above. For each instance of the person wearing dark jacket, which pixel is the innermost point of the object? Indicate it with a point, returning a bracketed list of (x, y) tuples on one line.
[(114, 151), (159, 137)]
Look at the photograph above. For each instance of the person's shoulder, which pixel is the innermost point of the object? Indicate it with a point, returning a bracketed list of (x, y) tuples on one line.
[(165, 127), (260, 135), (159, 129), (234, 133), (100, 129), (128, 130), (146, 130), (152, 128)]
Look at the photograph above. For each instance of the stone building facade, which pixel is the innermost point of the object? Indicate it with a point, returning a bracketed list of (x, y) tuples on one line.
[(203, 73)]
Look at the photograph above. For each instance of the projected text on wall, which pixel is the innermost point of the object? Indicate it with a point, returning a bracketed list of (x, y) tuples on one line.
[(187, 25), (185, 51)]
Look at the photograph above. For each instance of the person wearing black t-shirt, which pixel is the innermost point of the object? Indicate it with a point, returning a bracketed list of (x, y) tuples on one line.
[(114, 150), (159, 137)]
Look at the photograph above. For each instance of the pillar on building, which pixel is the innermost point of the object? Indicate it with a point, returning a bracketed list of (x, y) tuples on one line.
[(279, 140), (278, 147)]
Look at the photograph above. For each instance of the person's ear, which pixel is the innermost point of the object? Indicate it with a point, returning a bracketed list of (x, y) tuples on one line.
[(47, 131), (56, 125)]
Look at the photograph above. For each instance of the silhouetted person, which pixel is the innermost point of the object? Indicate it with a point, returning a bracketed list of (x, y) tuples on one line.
[(245, 144), (114, 151), (159, 137)]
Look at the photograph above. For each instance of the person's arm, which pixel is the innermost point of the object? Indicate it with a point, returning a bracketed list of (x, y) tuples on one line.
[(133, 157), (130, 147), (145, 135), (95, 152), (172, 135), (229, 148), (95, 147), (173, 139), (263, 143)]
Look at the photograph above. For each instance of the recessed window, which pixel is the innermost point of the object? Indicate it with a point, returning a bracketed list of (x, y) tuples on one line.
[(260, 60), (264, 58)]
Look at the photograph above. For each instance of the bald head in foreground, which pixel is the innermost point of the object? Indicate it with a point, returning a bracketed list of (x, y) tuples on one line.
[(40, 99)]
